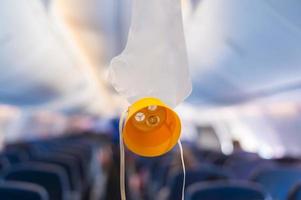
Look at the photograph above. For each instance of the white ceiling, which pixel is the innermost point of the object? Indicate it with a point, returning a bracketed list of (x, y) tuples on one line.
[(242, 49), (238, 50)]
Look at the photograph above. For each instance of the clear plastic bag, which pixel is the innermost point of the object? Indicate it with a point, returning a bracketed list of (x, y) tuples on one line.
[(154, 62)]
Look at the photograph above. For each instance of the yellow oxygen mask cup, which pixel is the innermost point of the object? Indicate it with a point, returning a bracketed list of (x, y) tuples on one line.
[(151, 128)]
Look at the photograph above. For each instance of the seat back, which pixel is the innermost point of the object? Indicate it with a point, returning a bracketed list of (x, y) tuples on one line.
[(4, 164), (12, 190), (295, 193), (51, 177), (80, 162), (194, 176), (226, 190), (15, 156), (66, 163), (243, 169), (278, 180)]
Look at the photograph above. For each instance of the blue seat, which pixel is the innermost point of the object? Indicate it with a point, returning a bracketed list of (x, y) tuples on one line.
[(53, 178), (84, 148), (78, 154), (243, 169), (159, 171), (12, 190), (226, 190), (15, 156), (65, 162), (295, 193), (278, 180), (4, 164), (215, 157), (194, 176), (49, 149)]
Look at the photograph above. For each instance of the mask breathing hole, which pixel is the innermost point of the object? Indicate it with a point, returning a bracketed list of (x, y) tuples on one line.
[(153, 120), (139, 117)]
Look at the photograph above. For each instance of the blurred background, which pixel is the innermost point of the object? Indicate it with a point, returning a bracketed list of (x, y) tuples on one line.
[(244, 60)]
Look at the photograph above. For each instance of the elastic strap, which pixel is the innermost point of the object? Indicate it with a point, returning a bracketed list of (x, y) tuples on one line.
[(122, 160), (184, 170)]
